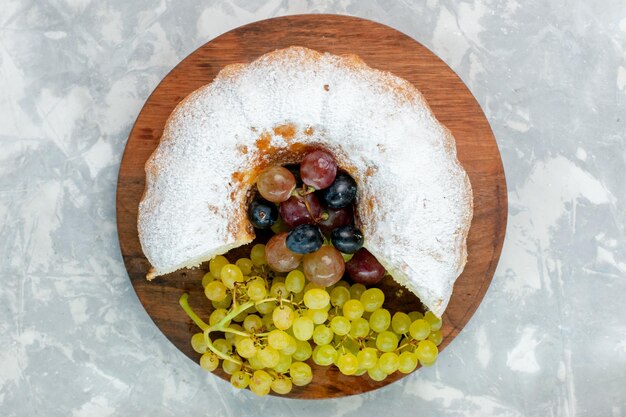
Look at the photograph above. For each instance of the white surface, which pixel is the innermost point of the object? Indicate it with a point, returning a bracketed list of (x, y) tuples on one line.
[(549, 338)]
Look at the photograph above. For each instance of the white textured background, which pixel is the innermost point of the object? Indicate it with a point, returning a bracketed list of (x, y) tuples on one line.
[(550, 336)]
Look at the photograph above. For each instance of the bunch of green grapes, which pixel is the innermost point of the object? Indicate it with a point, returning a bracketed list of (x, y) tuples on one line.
[(268, 325)]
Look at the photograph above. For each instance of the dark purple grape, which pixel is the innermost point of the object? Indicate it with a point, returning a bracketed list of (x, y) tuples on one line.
[(340, 193), (335, 218), (262, 214), (304, 239), (364, 268), (318, 169), (348, 239), (294, 211)]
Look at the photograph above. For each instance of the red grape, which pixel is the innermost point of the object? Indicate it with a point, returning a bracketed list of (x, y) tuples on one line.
[(336, 218), (279, 258), (324, 267), (364, 268), (276, 184), (318, 169), (295, 213)]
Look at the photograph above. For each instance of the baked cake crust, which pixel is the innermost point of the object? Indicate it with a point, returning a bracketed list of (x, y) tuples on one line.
[(414, 202)]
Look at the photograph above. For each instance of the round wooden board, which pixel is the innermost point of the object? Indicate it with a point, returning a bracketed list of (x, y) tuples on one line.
[(380, 47)]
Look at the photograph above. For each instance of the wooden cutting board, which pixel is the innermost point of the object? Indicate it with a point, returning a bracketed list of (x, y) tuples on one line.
[(380, 47)]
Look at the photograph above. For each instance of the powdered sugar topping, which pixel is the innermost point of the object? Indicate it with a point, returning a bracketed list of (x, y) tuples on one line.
[(414, 199)]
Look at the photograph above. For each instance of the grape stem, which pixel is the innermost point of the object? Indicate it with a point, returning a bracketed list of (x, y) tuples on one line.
[(184, 303), (221, 325)]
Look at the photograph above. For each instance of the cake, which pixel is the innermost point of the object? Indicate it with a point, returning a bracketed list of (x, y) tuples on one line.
[(414, 201)]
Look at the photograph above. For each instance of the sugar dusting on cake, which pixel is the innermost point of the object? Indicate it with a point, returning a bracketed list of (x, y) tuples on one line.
[(414, 201)]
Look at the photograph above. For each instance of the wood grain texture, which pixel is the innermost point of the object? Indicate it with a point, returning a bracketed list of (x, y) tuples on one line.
[(380, 47)]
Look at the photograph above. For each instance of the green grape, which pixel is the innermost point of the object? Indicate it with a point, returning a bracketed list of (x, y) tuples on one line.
[(406, 347), (367, 358), (303, 350), (339, 295), (283, 317), (347, 364), (310, 285), (255, 362), (198, 343), (217, 316), (283, 363), (431, 363), (222, 345), (209, 361), (278, 278), (208, 277), (316, 298), (356, 290), (434, 321), (324, 355), (291, 347), (386, 341), (322, 335), (245, 265), (353, 309), (351, 345), (278, 339), (230, 274), (407, 362), (415, 315), (232, 337), (342, 283), (294, 281), (372, 299), (388, 362), (318, 316), (266, 307), (240, 379), (268, 322), (426, 351), (269, 356), (225, 303), (260, 382), (240, 317), (279, 289), (231, 367), (281, 385), (216, 264), (246, 348), (256, 289), (380, 320), (359, 327), (376, 373), (252, 323), (215, 291), (299, 296), (340, 325), (400, 323), (300, 373), (419, 329), (257, 255), (303, 328), (435, 337)]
